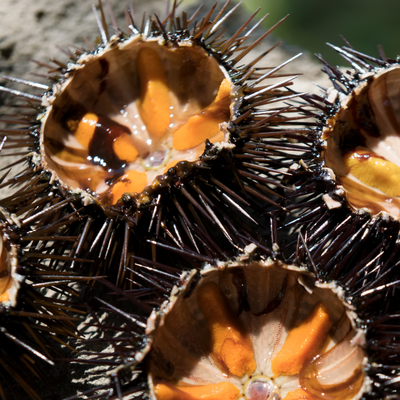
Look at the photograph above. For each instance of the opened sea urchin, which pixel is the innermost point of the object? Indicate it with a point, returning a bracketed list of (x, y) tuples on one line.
[(161, 135), (257, 331), (359, 134), (131, 112)]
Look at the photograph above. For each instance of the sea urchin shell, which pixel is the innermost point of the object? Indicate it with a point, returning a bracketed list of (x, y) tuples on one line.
[(362, 143), (257, 330), (360, 133), (136, 108)]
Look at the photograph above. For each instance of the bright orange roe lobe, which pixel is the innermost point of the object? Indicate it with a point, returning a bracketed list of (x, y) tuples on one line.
[(218, 391), (223, 94), (374, 171), (205, 125), (5, 284), (300, 394), (154, 100), (124, 148), (194, 132), (131, 182), (231, 344), (302, 343), (86, 127), (5, 277)]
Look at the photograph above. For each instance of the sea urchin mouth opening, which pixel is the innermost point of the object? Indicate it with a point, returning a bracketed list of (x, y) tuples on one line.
[(257, 330), (132, 111), (363, 142)]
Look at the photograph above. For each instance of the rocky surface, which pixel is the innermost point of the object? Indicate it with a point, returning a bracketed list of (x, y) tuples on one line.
[(41, 29)]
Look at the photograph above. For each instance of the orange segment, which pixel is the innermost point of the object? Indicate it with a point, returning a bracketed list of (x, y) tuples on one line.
[(231, 344), (205, 125), (86, 128), (131, 182), (224, 93), (154, 95), (218, 391), (196, 130), (4, 297), (124, 148), (5, 284), (300, 394), (302, 343), (374, 171)]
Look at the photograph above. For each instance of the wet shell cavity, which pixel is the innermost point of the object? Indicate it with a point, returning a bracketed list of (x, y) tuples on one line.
[(363, 144), (260, 330), (133, 111)]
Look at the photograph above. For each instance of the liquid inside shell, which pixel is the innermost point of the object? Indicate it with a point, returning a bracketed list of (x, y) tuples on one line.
[(363, 144), (131, 112), (260, 330)]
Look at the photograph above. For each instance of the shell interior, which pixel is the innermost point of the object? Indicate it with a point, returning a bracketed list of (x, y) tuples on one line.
[(259, 330), (363, 144), (131, 112)]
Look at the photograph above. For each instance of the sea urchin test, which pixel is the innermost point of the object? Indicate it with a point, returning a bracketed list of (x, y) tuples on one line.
[(131, 112), (257, 331), (363, 144)]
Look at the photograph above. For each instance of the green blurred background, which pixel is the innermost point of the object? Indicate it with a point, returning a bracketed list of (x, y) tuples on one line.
[(312, 23)]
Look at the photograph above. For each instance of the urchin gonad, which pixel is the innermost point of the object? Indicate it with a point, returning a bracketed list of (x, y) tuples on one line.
[(257, 330)]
